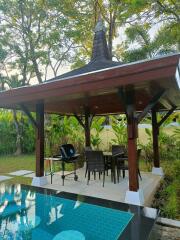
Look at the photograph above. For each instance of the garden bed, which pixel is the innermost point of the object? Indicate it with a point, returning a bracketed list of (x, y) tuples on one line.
[(167, 197)]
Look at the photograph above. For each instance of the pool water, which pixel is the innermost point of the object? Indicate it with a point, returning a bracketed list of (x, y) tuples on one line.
[(26, 214)]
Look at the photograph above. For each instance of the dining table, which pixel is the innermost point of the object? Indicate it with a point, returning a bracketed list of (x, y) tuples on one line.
[(109, 158), (113, 158)]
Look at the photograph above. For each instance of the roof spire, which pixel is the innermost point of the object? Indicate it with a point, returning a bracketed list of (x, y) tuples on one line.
[(100, 49), (100, 25)]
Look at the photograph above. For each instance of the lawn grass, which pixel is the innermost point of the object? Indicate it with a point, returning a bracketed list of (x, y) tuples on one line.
[(14, 163), (10, 164)]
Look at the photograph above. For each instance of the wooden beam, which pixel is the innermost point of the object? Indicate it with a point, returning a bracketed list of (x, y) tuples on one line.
[(28, 113), (87, 127), (155, 133), (91, 119), (122, 96), (151, 104), (40, 139), (88, 118), (79, 120), (166, 116)]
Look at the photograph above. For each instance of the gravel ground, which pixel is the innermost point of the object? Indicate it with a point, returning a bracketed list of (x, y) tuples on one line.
[(165, 233)]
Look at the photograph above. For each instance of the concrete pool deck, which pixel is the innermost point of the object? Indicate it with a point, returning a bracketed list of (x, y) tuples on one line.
[(111, 191)]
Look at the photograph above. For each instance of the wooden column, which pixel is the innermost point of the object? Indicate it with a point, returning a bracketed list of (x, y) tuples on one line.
[(40, 139), (132, 128), (127, 97), (87, 128), (155, 133)]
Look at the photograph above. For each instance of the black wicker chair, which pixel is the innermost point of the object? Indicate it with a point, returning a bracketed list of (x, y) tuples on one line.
[(69, 155), (95, 163), (86, 149), (118, 151), (122, 165)]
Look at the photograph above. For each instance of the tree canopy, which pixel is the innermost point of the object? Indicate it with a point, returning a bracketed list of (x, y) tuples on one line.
[(40, 37)]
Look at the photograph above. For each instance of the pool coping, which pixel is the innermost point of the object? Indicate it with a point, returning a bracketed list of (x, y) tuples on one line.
[(139, 227)]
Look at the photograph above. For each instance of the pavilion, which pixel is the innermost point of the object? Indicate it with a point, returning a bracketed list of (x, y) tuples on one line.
[(104, 87)]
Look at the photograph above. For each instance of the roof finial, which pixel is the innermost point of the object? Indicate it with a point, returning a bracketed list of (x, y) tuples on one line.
[(100, 25)]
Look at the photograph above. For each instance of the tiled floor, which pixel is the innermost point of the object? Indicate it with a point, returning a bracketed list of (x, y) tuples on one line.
[(110, 191)]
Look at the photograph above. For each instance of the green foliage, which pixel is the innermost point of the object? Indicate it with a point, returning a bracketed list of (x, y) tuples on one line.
[(97, 128), (120, 130), (147, 155), (8, 133), (177, 135), (60, 130), (28, 136), (144, 46), (169, 146), (168, 195)]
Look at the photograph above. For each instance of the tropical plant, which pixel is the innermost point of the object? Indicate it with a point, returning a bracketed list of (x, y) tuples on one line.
[(140, 44), (97, 127), (168, 147), (61, 130), (167, 197), (120, 130)]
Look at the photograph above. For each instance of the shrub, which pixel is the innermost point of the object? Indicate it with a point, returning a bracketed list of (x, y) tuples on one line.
[(167, 198)]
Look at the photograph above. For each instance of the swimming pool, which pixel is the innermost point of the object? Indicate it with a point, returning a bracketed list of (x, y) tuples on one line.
[(32, 213)]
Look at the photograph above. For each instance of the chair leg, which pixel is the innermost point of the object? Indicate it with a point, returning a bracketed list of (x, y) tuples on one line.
[(139, 174), (103, 177), (118, 171), (123, 173), (75, 175), (111, 175), (63, 177), (86, 170), (51, 177), (94, 175), (88, 178), (99, 175)]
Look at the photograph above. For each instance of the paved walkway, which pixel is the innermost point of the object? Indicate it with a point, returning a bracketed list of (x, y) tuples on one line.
[(4, 178)]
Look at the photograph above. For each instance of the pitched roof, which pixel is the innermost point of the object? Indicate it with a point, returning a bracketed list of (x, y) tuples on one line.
[(100, 57)]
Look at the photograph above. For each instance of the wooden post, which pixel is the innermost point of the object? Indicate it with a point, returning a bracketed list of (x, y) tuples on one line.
[(87, 128), (40, 139), (155, 133), (132, 128), (128, 99)]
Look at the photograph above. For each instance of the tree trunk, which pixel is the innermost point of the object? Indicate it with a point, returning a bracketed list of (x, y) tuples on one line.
[(18, 135), (34, 61), (111, 32)]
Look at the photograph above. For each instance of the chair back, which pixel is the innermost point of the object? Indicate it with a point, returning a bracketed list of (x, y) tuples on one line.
[(95, 160), (89, 148), (67, 151), (118, 149)]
